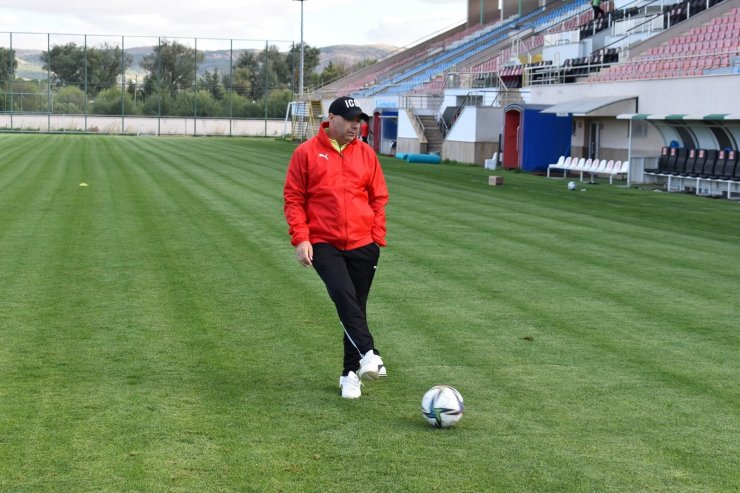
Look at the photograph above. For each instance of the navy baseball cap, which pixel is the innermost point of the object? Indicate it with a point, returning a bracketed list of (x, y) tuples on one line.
[(347, 108)]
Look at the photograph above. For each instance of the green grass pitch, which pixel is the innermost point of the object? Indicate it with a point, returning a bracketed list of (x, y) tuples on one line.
[(157, 334)]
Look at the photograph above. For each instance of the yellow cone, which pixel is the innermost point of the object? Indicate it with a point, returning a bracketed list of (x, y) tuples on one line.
[(83, 184)]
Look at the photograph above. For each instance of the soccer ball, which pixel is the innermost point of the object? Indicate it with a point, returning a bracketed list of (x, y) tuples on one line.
[(442, 406), (572, 185)]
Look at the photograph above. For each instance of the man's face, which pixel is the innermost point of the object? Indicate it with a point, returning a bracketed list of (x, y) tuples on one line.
[(342, 130)]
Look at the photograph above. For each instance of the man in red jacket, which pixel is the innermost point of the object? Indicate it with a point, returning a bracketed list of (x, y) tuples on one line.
[(335, 196)]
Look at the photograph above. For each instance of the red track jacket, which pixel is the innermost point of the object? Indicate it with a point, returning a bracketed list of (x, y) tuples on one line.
[(335, 198)]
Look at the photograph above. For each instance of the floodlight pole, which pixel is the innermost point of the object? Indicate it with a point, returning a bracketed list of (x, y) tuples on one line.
[(300, 70)]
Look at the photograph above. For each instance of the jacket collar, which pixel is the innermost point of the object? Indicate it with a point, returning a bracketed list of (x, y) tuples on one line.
[(326, 141)]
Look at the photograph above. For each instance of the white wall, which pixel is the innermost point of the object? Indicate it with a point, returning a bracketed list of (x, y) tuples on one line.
[(477, 124), (465, 127), (143, 125), (406, 129), (701, 95)]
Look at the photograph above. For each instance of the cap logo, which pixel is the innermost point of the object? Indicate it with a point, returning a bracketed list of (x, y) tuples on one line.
[(347, 107)]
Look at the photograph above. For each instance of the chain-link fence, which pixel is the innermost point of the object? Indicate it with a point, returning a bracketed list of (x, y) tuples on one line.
[(152, 85)]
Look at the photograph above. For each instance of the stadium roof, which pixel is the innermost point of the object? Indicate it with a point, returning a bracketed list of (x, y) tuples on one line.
[(598, 106), (678, 116)]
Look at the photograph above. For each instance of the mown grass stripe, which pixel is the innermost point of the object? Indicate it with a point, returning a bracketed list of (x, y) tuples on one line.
[(158, 331)]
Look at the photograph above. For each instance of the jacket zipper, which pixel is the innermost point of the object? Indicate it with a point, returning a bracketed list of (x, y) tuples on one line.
[(344, 198)]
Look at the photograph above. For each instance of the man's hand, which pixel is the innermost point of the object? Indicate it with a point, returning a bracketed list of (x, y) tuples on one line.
[(304, 252)]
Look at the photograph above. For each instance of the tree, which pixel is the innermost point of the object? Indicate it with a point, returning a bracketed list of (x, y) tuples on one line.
[(250, 76), (171, 67), (8, 64), (237, 104), (334, 71), (271, 64), (277, 65), (211, 82), (268, 68), (277, 102), (104, 67), (244, 74), (186, 104), (68, 66), (70, 100), (311, 61), (66, 63), (28, 95), (364, 63), (108, 102)]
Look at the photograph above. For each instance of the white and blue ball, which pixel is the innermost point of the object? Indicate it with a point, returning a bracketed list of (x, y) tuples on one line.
[(442, 406), (572, 185)]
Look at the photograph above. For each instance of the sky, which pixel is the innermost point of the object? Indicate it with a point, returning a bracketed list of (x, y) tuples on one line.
[(325, 22)]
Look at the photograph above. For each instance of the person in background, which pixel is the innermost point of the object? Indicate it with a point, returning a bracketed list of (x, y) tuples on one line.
[(598, 12), (364, 131), (334, 202)]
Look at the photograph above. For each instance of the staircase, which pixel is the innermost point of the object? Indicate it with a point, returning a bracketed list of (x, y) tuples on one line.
[(432, 133), (315, 116), (306, 120), (299, 122)]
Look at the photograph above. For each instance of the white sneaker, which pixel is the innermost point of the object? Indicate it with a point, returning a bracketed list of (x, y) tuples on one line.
[(372, 367), (350, 386)]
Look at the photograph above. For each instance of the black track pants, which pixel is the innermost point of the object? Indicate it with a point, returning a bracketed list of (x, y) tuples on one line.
[(348, 275)]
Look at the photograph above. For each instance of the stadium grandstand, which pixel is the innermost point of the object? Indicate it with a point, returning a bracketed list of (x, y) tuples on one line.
[(524, 84)]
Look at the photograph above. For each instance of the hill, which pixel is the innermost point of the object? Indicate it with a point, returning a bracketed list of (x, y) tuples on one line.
[(30, 65), (352, 54)]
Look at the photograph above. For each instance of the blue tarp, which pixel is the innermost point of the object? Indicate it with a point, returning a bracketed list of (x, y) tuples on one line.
[(423, 158), (544, 137)]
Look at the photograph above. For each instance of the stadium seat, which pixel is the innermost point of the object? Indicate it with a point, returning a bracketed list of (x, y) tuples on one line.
[(625, 169), (662, 162), (590, 167), (719, 165), (563, 163), (689, 165), (736, 159), (679, 165), (599, 168), (672, 157), (701, 157), (620, 168), (728, 169), (708, 170)]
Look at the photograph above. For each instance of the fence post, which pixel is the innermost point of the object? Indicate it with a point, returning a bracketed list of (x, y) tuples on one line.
[(267, 55), (87, 97), (12, 82), (231, 85), (123, 86), (195, 89)]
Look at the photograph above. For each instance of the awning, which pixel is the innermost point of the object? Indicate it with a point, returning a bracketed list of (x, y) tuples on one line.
[(601, 106), (679, 116)]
